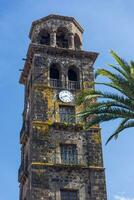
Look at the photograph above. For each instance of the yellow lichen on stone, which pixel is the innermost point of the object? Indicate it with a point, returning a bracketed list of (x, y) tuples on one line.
[(96, 137), (53, 106), (41, 126)]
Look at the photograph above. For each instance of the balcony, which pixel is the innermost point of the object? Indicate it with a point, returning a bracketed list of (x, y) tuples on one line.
[(70, 85), (55, 83), (73, 85)]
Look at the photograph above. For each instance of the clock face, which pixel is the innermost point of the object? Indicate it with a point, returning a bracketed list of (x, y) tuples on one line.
[(66, 96)]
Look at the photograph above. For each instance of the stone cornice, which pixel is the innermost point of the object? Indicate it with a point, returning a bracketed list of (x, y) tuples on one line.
[(44, 49), (65, 18), (42, 165)]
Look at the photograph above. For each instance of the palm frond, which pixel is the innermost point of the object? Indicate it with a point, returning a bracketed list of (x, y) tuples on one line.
[(118, 83), (122, 63), (118, 130), (99, 119), (107, 104), (106, 95), (112, 105), (118, 112), (110, 75), (120, 71), (124, 125)]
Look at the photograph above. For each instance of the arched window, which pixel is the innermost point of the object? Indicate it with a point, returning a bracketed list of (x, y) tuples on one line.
[(54, 72), (44, 37), (77, 42), (55, 76), (72, 75), (62, 37), (73, 78)]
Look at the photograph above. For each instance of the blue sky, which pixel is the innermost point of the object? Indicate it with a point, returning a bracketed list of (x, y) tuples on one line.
[(108, 25)]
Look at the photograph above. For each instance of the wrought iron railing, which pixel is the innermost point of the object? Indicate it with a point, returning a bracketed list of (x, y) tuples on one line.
[(70, 85), (73, 85), (55, 83)]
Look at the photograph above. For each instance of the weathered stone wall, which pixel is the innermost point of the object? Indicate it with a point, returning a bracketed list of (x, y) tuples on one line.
[(42, 63), (87, 176), (48, 181), (52, 25), (98, 185), (57, 179), (44, 174), (39, 105), (45, 146), (43, 98)]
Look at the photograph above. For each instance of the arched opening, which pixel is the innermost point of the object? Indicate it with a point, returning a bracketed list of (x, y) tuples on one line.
[(54, 73), (77, 42), (73, 78), (62, 37), (55, 76), (44, 37)]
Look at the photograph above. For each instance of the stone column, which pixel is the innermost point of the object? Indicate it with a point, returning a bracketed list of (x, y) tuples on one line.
[(53, 39), (71, 41)]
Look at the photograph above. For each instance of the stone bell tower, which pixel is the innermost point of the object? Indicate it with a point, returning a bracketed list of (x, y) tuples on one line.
[(59, 159)]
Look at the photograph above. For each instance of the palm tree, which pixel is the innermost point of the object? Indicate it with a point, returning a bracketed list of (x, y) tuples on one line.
[(117, 104)]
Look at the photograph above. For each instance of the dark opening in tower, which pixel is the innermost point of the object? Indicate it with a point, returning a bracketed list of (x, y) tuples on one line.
[(44, 37), (73, 78), (55, 76), (62, 37), (77, 42)]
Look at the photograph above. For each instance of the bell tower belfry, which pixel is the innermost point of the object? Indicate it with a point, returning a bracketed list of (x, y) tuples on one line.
[(59, 159)]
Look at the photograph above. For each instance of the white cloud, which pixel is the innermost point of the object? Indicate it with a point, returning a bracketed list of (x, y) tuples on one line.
[(117, 197)]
